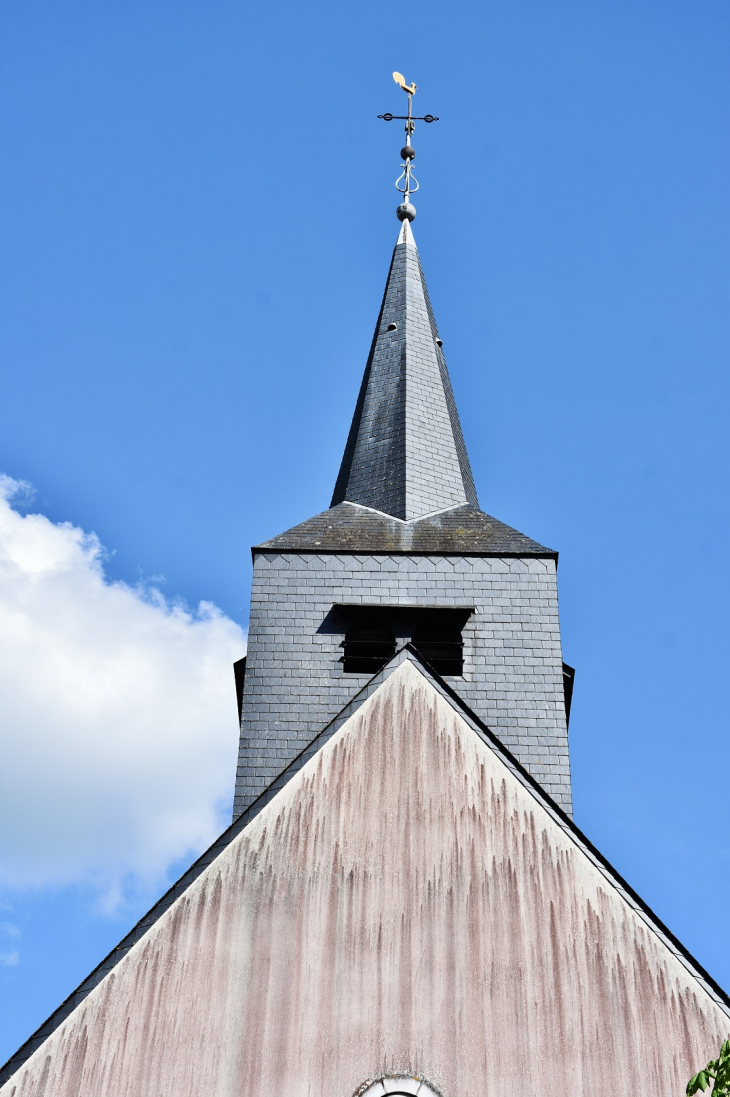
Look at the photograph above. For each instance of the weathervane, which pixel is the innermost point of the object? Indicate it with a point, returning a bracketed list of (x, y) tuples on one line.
[(406, 182)]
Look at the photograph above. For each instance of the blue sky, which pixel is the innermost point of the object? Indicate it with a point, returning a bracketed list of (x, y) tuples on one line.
[(197, 212)]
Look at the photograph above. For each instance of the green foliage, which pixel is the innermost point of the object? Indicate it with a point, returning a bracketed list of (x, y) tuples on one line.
[(717, 1071)]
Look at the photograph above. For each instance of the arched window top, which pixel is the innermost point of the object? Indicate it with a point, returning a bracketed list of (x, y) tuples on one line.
[(398, 1087)]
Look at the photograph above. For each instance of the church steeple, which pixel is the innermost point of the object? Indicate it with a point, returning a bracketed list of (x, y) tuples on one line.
[(405, 454)]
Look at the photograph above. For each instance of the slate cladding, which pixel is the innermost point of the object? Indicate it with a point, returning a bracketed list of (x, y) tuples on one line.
[(295, 679), (405, 454), (404, 537)]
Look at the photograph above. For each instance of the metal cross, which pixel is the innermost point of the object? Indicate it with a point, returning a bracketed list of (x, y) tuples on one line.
[(406, 182)]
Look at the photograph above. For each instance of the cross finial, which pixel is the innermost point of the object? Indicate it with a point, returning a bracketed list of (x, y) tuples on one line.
[(406, 182)]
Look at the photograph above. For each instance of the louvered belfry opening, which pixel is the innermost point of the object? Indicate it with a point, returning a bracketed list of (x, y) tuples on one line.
[(372, 634), (368, 647), (441, 646)]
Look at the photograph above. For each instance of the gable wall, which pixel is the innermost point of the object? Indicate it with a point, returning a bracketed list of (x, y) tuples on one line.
[(404, 904), (512, 655)]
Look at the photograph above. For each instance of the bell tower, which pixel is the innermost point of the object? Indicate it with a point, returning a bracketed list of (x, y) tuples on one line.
[(404, 555)]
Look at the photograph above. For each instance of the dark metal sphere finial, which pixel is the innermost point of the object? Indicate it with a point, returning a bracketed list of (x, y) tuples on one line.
[(405, 212)]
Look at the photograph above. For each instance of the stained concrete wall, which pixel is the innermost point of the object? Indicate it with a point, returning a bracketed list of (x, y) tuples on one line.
[(404, 904), (295, 684)]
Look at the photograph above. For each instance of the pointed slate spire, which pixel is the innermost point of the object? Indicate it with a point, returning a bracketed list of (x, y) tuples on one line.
[(405, 454)]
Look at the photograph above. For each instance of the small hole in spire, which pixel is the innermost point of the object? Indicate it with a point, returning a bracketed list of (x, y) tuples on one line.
[(439, 342), (392, 327)]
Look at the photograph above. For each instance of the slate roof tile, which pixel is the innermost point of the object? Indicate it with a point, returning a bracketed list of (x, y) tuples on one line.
[(351, 529), (405, 454)]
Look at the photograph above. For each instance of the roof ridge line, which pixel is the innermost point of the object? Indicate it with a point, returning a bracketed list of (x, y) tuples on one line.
[(405, 521)]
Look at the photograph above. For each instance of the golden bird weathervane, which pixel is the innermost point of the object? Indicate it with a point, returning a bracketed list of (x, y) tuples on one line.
[(406, 182), (401, 80)]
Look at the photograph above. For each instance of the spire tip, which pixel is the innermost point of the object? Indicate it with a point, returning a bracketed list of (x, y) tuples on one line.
[(405, 235)]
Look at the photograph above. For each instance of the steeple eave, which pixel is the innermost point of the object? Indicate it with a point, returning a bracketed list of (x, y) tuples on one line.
[(352, 529)]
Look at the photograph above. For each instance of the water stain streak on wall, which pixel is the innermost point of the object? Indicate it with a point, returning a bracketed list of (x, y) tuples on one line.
[(403, 904)]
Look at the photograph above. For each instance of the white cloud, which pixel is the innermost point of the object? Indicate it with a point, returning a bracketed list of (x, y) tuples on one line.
[(117, 715)]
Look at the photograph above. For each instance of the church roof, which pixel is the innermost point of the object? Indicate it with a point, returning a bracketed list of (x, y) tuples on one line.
[(463, 531), (422, 913), (405, 454)]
